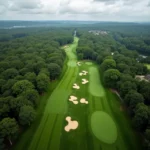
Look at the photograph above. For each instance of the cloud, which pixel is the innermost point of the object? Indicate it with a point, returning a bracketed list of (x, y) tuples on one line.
[(119, 10)]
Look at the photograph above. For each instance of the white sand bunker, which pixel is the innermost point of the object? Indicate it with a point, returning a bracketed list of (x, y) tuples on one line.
[(83, 101), (84, 81), (75, 86), (71, 124), (79, 63), (73, 99), (83, 73)]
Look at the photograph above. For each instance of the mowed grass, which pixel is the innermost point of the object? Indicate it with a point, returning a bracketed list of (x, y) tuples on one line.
[(148, 66), (83, 138), (95, 86), (103, 127), (47, 136)]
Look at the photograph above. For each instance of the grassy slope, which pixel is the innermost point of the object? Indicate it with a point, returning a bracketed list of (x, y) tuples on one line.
[(82, 137), (48, 134)]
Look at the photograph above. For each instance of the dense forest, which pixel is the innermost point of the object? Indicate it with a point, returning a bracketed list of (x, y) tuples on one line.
[(119, 65), (29, 60)]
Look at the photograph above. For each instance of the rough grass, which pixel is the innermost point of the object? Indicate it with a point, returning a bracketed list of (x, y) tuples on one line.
[(103, 127)]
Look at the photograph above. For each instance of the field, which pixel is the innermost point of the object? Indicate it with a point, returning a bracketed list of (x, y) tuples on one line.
[(113, 129), (148, 66)]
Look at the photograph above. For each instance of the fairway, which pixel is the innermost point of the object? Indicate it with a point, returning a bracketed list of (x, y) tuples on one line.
[(95, 87), (98, 123)]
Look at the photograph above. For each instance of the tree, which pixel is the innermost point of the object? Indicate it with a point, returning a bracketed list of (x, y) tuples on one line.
[(133, 98), (42, 81), (26, 115), (111, 76), (30, 76), (22, 86), (10, 73), (108, 64), (127, 86), (141, 117), (54, 70), (9, 129), (31, 95)]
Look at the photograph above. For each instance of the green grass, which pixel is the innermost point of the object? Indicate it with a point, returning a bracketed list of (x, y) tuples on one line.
[(95, 86), (103, 127), (83, 138), (88, 63), (148, 66), (49, 133)]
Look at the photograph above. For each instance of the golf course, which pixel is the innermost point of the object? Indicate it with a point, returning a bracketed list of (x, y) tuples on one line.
[(81, 114)]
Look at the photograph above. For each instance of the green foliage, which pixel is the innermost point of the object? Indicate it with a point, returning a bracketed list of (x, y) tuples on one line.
[(26, 115), (141, 117), (9, 129), (31, 95), (133, 98), (22, 86), (42, 81), (54, 70), (111, 76), (108, 64)]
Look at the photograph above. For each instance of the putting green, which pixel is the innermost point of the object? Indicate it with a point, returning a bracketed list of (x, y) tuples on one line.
[(103, 127), (95, 86), (88, 63)]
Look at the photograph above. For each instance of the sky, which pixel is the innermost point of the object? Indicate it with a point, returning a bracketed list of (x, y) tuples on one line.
[(94, 10)]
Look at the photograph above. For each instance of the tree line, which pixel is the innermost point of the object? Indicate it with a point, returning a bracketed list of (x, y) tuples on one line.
[(119, 66), (27, 65)]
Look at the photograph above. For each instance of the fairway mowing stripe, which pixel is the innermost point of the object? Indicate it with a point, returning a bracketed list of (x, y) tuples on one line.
[(102, 102), (56, 134), (93, 102), (63, 79), (46, 132), (50, 137), (36, 137), (97, 103), (71, 78), (107, 107), (88, 135)]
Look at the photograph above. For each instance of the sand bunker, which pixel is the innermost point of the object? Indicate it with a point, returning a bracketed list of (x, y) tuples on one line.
[(75, 86), (79, 63), (66, 46), (84, 81), (73, 99), (83, 101), (71, 124), (83, 73)]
